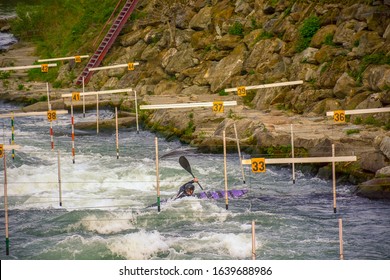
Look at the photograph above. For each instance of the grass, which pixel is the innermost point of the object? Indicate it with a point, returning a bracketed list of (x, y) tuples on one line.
[(64, 30), (307, 30)]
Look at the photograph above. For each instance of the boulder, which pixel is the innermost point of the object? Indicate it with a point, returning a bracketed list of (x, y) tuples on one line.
[(344, 86), (220, 74), (385, 146), (321, 35), (202, 20), (369, 41), (383, 172), (180, 61), (372, 161), (346, 32), (378, 188), (377, 77)]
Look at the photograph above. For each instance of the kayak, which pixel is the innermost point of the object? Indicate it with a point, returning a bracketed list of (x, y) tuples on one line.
[(220, 194)]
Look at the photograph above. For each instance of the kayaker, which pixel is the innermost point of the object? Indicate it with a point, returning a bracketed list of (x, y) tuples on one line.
[(187, 189)]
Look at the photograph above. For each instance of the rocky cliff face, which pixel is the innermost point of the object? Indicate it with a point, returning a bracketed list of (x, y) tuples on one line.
[(340, 49)]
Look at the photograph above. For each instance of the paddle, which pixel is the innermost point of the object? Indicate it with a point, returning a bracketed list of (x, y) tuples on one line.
[(186, 165)]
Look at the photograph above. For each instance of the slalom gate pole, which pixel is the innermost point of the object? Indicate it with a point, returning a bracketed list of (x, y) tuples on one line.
[(51, 123), (341, 239), (334, 180), (116, 133), (225, 171), (83, 98), (253, 241), (13, 135), (97, 113), (72, 121), (59, 178), (239, 153), (136, 109), (6, 206), (292, 153), (157, 177)]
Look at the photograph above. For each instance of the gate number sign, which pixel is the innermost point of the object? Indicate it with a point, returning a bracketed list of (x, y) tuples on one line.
[(258, 165), (76, 96), (339, 116), (51, 115), (241, 91), (218, 106)]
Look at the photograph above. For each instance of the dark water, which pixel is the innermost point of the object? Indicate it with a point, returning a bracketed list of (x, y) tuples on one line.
[(104, 212), (7, 10)]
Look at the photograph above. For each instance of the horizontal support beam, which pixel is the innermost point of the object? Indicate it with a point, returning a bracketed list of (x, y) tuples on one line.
[(361, 111), (62, 58), (282, 84), (26, 67), (185, 105), (28, 114), (99, 92), (11, 147), (111, 66), (304, 160)]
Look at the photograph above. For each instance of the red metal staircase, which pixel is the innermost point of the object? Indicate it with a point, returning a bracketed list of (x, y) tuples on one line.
[(107, 41)]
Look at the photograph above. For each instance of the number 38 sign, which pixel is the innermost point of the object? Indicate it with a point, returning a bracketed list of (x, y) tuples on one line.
[(51, 115), (258, 165)]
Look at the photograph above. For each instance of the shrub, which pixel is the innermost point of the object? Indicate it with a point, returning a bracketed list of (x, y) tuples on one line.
[(236, 29), (306, 32)]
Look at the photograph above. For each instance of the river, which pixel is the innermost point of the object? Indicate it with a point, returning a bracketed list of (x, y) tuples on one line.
[(105, 214), (7, 10)]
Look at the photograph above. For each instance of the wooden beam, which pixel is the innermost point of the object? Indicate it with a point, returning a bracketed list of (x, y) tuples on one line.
[(304, 160), (26, 67), (27, 114), (281, 84), (99, 92), (112, 66), (361, 111), (185, 105), (62, 58)]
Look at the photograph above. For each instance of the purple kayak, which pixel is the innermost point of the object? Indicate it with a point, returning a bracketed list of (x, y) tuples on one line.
[(221, 194)]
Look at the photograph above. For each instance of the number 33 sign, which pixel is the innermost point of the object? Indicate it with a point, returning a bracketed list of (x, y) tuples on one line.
[(258, 165)]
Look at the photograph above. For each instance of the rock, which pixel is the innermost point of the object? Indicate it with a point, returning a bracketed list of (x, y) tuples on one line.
[(369, 41), (229, 66), (372, 161), (202, 20), (329, 73), (321, 35), (132, 38), (346, 31), (344, 86), (377, 77), (385, 97), (180, 61), (228, 42), (385, 146), (261, 52), (328, 53), (383, 172), (378, 188), (386, 34), (167, 87)]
